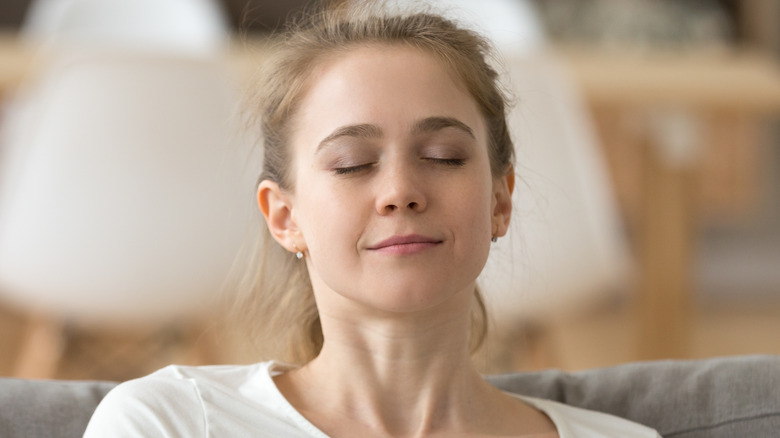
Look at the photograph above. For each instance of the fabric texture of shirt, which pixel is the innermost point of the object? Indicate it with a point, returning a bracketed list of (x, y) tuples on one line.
[(243, 401)]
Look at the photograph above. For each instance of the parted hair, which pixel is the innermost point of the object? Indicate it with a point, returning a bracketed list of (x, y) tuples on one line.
[(278, 297)]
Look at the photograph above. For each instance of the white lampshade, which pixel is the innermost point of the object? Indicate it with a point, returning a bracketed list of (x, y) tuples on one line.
[(566, 247)]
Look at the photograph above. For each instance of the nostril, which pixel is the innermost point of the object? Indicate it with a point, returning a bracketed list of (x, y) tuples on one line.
[(412, 205)]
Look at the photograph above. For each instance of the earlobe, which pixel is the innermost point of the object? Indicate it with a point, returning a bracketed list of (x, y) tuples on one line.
[(276, 206)]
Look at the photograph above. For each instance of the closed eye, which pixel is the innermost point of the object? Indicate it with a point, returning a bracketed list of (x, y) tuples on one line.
[(351, 169), (452, 162)]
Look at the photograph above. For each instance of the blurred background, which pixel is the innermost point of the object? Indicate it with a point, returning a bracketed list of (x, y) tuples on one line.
[(647, 221)]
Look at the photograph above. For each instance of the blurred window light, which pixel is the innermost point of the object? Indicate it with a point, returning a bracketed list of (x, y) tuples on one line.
[(181, 26), (644, 23)]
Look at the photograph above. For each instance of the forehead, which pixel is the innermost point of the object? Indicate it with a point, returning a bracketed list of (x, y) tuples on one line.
[(362, 55), (387, 85)]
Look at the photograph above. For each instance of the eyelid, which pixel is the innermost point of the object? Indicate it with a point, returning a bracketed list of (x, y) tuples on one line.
[(445, 153), (350, 162)]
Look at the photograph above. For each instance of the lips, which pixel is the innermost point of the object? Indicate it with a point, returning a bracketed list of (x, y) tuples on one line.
[(408, 244)]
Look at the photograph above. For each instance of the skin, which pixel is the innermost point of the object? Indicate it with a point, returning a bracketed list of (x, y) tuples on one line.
[(389, 146)]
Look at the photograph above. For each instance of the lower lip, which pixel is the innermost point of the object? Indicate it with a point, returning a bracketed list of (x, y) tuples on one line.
[(406, 248)]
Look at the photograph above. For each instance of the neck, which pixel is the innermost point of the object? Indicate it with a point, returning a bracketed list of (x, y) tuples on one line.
[(397, 357), (400, 375)]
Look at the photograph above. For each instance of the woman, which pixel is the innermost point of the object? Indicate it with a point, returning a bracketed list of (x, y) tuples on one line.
[(387, 173)]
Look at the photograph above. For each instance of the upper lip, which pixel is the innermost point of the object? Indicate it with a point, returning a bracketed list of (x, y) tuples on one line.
[(402, 240)]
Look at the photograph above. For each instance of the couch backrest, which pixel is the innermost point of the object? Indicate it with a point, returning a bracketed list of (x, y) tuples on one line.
[(48, 408), (725, 397)]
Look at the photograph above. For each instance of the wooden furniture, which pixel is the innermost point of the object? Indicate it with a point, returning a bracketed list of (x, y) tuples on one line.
[(16, 62), (679, 105)]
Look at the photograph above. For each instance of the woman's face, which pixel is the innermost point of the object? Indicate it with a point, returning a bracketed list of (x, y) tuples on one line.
[(393, 201)]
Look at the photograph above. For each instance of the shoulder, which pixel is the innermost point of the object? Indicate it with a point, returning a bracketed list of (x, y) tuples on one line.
[(168, 402), (577, 422)]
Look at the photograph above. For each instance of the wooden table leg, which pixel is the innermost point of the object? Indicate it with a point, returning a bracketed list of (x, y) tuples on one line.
[(666, 257), (41, 349)]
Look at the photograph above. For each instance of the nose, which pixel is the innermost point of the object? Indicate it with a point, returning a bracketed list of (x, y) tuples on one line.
[(400, 189)]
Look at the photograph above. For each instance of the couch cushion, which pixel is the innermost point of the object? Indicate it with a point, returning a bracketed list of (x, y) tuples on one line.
[(725, 397), (48, 408)]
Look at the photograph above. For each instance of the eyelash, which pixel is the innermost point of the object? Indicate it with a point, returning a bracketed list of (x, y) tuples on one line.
[(352, 169), (452, 162)]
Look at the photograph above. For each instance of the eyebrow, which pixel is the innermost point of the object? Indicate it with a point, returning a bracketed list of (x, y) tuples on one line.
[(363, 130), (433, 124), (422, 126)]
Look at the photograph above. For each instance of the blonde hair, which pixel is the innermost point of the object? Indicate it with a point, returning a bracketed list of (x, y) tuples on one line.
[(280, 300)]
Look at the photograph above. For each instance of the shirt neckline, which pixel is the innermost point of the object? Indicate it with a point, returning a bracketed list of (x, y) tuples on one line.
[(273, 369)]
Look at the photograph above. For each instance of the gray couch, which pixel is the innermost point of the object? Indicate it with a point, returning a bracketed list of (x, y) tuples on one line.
[(726, 397)]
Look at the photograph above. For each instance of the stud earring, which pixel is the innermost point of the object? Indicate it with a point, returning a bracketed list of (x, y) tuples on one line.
[(494, 239), (298, 252)]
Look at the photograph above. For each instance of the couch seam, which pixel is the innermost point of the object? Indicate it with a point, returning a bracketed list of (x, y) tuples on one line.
[(722, 423)]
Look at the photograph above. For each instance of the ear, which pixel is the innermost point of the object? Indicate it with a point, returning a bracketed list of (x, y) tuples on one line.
[(502, 202), (277, 207)]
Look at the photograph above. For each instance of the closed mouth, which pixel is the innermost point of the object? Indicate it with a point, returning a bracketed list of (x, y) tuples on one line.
[(411, 240)]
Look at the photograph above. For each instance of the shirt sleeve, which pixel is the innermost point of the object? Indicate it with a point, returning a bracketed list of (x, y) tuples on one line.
[(150, 407)]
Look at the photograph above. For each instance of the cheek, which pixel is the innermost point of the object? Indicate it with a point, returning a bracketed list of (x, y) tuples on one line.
[(471, 219), (329, 220), (474, 203), (331, 224)]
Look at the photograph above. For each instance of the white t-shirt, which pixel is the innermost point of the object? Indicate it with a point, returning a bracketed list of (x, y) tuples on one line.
[(243, 401)]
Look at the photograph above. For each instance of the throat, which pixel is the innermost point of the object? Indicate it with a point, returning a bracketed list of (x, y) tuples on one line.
[(357, 403)]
